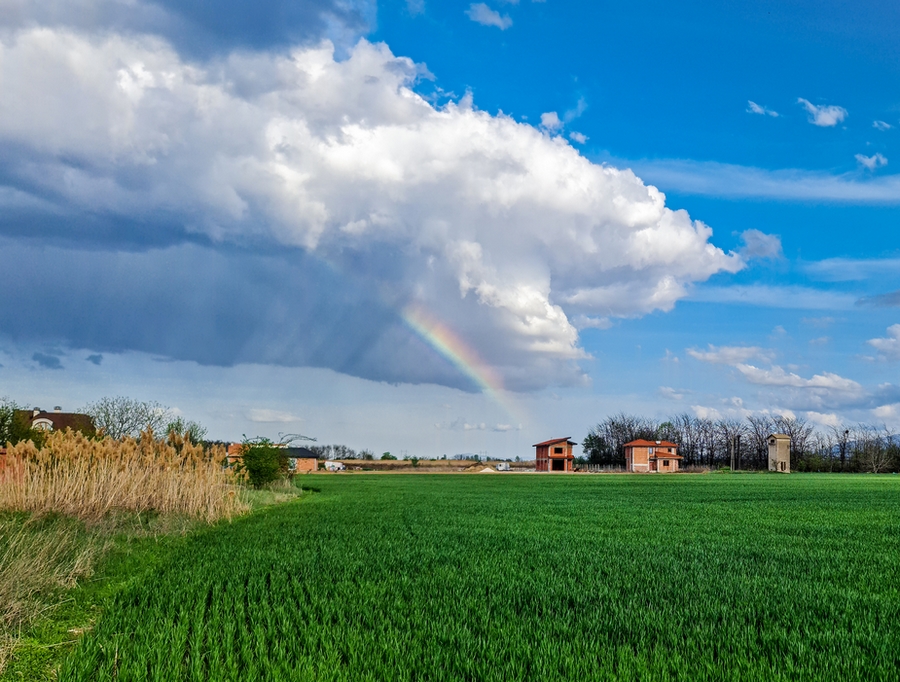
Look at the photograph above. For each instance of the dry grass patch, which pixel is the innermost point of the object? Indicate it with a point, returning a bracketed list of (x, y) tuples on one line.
[(35, 564)]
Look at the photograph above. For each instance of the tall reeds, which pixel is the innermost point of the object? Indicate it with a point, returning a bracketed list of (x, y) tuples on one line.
[(89, 478)]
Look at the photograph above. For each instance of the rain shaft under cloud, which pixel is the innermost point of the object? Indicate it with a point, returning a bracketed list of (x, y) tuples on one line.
[(286, 208)]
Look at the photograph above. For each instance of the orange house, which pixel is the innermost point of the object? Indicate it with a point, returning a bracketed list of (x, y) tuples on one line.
[(647, 455), (554, 455)]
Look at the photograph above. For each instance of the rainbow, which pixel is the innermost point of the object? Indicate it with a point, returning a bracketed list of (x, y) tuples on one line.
[(462, 356)]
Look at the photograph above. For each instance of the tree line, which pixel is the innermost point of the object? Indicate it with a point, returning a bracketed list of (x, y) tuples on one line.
[(717, 443)]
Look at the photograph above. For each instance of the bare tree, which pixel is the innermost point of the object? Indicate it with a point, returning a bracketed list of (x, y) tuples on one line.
[(760, 428), (841, 435), (799, 430), (120, 417), (872, 448)]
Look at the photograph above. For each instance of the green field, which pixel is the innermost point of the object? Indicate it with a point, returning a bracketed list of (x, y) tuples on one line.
[(509, 577)]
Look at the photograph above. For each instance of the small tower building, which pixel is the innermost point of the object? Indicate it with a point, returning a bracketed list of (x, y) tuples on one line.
[(780, 453)]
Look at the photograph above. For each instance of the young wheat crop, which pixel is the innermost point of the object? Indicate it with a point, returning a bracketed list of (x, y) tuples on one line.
[(88, 478)]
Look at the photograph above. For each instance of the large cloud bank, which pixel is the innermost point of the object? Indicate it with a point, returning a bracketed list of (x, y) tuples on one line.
[(286, 207)]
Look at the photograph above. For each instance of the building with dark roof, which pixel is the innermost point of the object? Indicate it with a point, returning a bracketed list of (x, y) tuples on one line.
[(57, 420)]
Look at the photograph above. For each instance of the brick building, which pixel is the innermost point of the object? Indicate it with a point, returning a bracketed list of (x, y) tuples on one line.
[(647, 455), (554, 455)]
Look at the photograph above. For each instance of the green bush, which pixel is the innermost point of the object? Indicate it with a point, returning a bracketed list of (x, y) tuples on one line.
[(263, 462)]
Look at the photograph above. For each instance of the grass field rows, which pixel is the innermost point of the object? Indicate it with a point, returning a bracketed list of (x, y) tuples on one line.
[(526, 577)]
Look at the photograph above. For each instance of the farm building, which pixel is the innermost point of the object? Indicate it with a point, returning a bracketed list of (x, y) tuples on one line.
[(554, 455), (299, 459), (56, 421), (647, 455), (780, 453)]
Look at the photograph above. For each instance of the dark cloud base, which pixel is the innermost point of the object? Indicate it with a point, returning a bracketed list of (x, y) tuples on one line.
[(212, 307)]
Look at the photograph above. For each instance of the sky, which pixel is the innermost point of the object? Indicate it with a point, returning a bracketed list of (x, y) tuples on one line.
[(437, 228)]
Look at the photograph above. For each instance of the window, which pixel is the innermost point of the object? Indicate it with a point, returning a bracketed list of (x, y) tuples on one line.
[(650, 450), (665, 462), (557, 451)]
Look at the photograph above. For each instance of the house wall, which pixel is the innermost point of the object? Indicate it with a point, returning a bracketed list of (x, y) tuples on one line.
[(542, 460), (306, 464), (673, 464), (640, 458), (780, 453)]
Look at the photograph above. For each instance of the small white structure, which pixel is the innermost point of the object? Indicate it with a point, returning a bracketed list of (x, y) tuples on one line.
[(502, 466), (780, 453), (334, 466)]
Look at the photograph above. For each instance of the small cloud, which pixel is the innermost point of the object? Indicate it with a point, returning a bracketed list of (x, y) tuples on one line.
[(754, 108), (95, 359), (264, 416), (872, 162), (888, 300), (415, 7), (777, 376), (503, 428), (729, 355), (578, 137), (704, 412), (888, 347), (887, 411), (823, 419), (47, 361), (881, 125), (585, 322), (670, 393), (550, 121), (670, 357), (818, 321), (579, 109), (824, 116), (484, 15), (821, 341), (758, 244), (778, 330)]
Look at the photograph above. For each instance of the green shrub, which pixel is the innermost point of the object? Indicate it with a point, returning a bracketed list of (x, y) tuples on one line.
[(263, 462)]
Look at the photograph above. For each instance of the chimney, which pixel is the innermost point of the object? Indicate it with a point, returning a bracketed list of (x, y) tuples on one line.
[(57, 409), (35, 412), (658, 442)]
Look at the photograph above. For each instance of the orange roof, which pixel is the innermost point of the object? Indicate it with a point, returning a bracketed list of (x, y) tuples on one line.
[(554, 441), (652, 443)]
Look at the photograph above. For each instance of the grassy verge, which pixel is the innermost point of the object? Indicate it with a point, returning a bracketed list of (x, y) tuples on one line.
[(58, 574)]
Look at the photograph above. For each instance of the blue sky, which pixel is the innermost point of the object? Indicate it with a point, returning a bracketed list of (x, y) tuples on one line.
[(234, 213)]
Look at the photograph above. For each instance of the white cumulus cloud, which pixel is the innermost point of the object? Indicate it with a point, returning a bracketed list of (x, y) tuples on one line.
[(824, 115), (729, 355), (889, 346), (503, 233), (778, 376), (872, 162), (881, 125), (550, 121), (484, 15), (754, 108)]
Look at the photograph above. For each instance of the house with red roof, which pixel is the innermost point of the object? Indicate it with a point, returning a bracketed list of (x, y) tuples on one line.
[(57, 420), (554, 455), (648, 455)]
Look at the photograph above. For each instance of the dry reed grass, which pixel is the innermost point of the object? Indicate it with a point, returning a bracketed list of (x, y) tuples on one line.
[(89, 478)]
